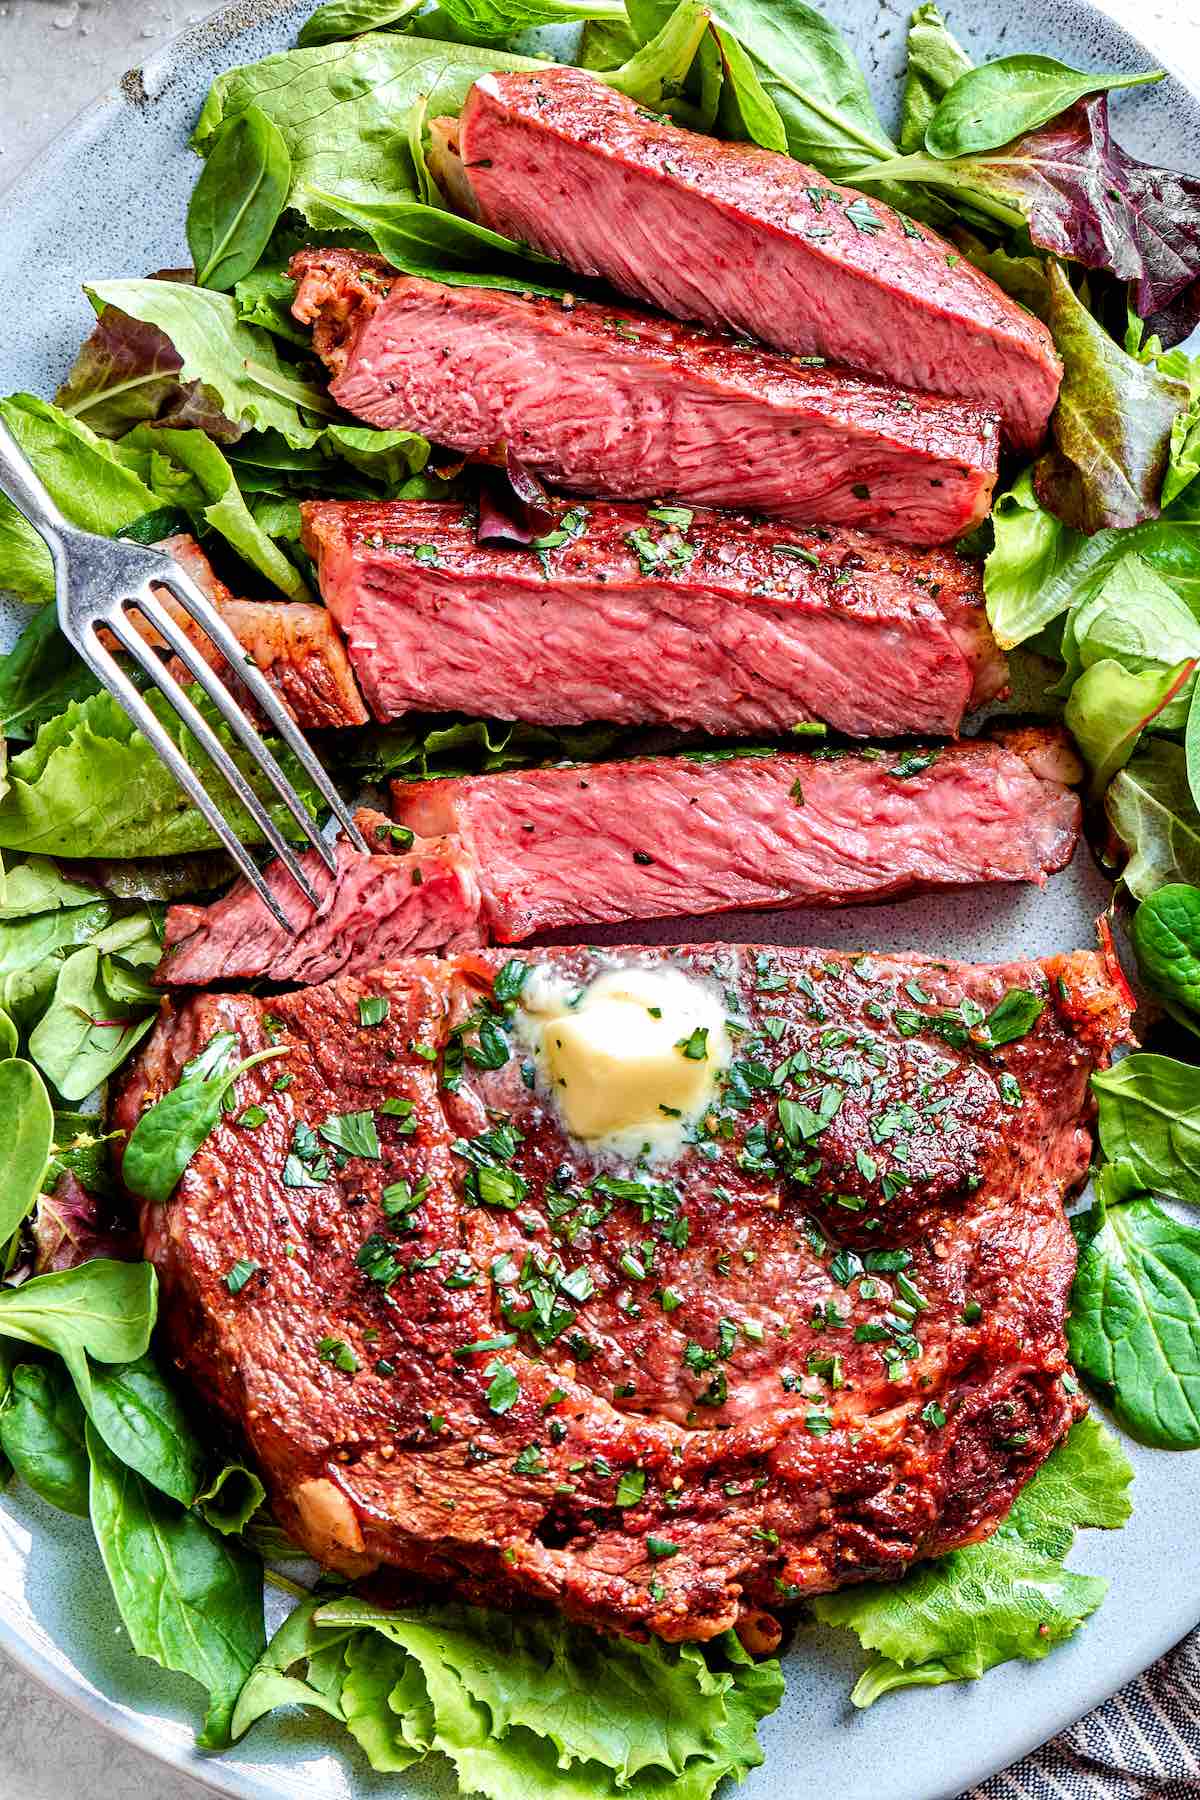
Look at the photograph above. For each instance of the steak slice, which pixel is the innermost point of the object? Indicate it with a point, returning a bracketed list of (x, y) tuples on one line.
[(657, 1400), (698, 620), (295, 644), (404, 897), (607, 400), (671, 837), (747, 238)]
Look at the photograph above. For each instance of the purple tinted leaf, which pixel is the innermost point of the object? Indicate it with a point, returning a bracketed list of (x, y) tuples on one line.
[(127, 373), (1086, 199), (71, 1226), (514, 507), (1111, 427)]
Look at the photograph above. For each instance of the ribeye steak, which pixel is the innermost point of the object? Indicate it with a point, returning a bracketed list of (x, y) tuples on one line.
[(824, 1342)]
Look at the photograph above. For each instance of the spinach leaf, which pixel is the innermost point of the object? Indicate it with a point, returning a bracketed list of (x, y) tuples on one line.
[(231, 1499), (238, 363), (26, 1140), (424, 240), (747, 110), (85, 1033), (167, 1136), (1149, 1122), (1134, 1324), (936, 59), (101, 1311), (340, 19), (806, 67), (236, 203), (38, 886), (41, 1433), (40, 676), (143, 1424), (83, 475), (270, 1685), (1109, 709), (9, 1038), (1111, 427), (189, 1598), (89, 785), (343, 111), (1009, 1597), (656, 72), (1166, 938), (989, 106)]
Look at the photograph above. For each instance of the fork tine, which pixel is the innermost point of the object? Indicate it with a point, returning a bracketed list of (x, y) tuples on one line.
[(122, 689), (127, 634), (157, 615), (201, 609)]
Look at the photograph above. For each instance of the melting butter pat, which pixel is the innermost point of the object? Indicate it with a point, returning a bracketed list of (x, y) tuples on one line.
[(631, 1059)]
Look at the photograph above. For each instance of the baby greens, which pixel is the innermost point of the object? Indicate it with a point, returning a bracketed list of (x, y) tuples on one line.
[(1134, 1327), (990, 106), (26, 1139), (167, 1136), (41, 1433), (1149, 1121), (237, 201), (1166, 937)]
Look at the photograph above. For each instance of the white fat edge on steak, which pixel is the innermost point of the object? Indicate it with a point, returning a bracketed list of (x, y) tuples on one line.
[(630, 1060)]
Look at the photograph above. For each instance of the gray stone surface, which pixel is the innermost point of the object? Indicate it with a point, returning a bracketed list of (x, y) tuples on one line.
[(55, 55)]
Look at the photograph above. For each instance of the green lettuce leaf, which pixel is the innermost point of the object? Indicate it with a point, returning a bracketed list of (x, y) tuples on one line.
[(90, 785), (343, 109), (127, 372), (1007, 1598), (236, 362), (218, 501), (1136, 619), (1039, 567), (86, 478), (1111, 427), (1149, 807), (40, 675), (936, 59), (521, 1705)]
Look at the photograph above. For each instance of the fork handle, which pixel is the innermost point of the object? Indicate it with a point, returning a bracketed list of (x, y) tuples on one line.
[(24, 488)]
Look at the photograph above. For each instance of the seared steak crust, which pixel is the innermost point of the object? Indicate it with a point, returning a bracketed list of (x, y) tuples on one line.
[(739, 1384)]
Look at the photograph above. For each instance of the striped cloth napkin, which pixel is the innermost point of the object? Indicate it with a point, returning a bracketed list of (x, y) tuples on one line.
[(1143, 1742)]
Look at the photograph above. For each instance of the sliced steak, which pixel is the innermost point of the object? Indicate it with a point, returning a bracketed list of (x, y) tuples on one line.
[(296, 645), (657, 1400), (746, 238), (697, 620), (669, 837), (606, 400), (404, 897)]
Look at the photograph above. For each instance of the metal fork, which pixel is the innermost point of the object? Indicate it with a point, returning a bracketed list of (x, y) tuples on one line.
[(100, 584)]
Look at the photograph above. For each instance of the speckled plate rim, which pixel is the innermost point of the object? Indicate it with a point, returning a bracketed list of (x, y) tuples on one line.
[(1175, 1611)]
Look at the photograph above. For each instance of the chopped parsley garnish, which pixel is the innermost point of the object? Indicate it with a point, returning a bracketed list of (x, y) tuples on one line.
[(912, 762), (240, 1274), (373, 1009), (510, 979), (1013, 1016), (504, 1390), (695, 1047), (933, 1415), (661, 1547), (338, 1352), (352, 1133), (253, 1117), (529, 1462), (863, 217), (631, 1487), (306, 1165), (505, 1341)]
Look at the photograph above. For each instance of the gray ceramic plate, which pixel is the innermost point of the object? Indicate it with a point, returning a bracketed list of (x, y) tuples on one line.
[(108, 199)]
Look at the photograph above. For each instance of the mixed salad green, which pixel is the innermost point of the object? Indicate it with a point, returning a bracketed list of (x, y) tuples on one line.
[(196, 405)]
